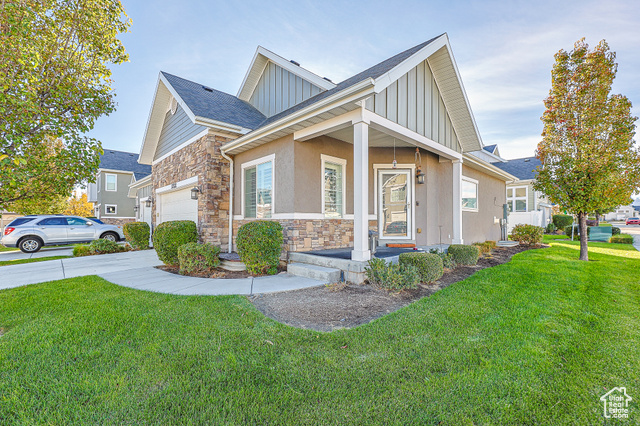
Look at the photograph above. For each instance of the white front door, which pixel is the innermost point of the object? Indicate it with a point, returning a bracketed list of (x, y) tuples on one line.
[(395, 207)]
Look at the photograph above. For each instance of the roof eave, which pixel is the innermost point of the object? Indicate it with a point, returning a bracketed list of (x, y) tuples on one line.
[(488, 168)]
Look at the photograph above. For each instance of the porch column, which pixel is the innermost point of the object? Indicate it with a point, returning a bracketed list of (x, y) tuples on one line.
[(457, 202), (361, 250)]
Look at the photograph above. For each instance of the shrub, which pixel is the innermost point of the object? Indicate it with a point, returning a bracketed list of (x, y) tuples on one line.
[(168, 236), (485, 247), (137, 234), (562, 220), (621, 239), (550, 228), (527, 234), (259, 246), (103, 246), (374, 270), (463, 254), (197, 258), (615, 230), (447, 259), (429, 265), (392, 276), (80, 250), (576, 231)]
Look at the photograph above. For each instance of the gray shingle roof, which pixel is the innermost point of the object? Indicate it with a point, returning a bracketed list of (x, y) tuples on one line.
[(373, 72), (490, 148), (214, 104), (124, 161), (522, 168)]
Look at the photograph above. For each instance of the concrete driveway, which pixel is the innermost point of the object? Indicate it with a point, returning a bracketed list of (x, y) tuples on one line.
[(32, 273), (45, 252)]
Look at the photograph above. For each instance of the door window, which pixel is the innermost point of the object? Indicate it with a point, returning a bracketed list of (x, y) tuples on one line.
[(395, 213)]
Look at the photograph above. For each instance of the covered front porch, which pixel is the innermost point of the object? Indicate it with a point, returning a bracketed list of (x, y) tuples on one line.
[(406, 187)]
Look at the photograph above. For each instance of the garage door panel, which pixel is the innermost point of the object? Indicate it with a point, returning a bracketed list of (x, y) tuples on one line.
[(178, 205)]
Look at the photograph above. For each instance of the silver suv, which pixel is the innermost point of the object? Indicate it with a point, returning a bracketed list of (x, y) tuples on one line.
[(30, 233)]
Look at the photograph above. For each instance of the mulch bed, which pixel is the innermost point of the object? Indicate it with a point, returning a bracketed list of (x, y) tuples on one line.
[(348, 305), (215, 273)]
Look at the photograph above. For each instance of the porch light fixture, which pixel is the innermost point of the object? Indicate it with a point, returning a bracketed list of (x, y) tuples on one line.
[(395, 163), (136, 208), (149, 201), (419, 174), (195, 192)]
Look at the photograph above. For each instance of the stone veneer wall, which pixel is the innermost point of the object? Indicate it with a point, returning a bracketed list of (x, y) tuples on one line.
[(116, 222), (201, 158), (313, 234)]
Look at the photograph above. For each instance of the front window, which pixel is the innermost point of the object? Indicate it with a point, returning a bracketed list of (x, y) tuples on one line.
[(110, 182), (110, 209), (469, 194), (258, 190), (517, 199), (333, 186)]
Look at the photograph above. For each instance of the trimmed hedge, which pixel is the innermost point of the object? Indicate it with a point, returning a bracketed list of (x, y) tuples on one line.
[(621, 239), (197, 258), (392, 276), (103, 246), (169, 236), (527, 234), (259, 245), (429, 265), (463, 254), (562, 220), (137, 234), (615, 230)]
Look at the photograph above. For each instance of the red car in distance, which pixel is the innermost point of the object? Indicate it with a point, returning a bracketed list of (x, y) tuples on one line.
[(633, 221)]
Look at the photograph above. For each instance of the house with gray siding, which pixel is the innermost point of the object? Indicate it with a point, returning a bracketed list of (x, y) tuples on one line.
[(387, 152), (110, 192)]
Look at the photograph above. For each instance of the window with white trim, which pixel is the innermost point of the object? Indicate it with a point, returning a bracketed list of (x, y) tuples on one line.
[(333, 186), (469, 194), (258, 188), (518, 199), (110, 182), (110, 209)]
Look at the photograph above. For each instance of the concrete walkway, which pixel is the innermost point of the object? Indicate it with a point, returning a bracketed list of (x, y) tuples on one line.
[(136, 269), (633, 230)]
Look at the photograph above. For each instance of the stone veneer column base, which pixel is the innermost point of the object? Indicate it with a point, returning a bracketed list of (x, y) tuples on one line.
[(116, 222)]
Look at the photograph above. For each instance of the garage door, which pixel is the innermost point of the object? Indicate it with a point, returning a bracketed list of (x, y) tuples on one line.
[(178, 205)]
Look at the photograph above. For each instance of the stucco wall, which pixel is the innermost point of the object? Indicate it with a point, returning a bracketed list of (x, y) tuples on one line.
[(478, 226)]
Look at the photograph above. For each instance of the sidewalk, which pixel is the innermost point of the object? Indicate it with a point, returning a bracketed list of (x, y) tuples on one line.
[(136, 269)]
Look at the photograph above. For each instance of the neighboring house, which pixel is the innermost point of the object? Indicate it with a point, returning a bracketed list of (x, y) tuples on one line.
[(6, 218), (109, 193), (621, 213), (389, 150), (526, 205)]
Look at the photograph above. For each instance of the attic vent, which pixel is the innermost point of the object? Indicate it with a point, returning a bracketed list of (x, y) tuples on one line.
[(294, 62), (208, 89), (328, 79), (527, 160), (111, 152), (174, 105)]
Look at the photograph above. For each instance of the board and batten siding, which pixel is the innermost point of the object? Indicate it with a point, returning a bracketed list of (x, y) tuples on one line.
[(279, 89), (414, 101), (177, 129)]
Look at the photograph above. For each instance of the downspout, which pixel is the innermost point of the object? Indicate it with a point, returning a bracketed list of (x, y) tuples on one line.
[(225, 156)]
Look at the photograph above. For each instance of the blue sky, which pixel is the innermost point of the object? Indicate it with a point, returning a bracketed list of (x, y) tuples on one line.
[(504, 50)]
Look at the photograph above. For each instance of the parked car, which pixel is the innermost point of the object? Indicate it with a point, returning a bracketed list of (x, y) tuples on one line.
[(96, 220), (633, 221), (30, 233)]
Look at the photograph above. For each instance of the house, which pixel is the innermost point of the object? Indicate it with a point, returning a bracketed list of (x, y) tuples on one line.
[(621, 213), (110, 191), (388, 150), (6, 217), (525, 204)]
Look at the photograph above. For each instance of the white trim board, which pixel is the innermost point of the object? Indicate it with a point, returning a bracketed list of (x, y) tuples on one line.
[(477, 184), (342, 162), (254, 163), (106, 182), (178, 185)]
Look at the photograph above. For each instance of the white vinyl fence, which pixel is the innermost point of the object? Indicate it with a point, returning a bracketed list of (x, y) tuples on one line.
[(536, 218)]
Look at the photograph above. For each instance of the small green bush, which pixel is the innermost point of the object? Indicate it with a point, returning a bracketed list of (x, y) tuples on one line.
[(137, 234), (103, 246), (392, 276), (562, 220), (615, 230), (447, 259), (485, 247), (463, 254), (527, 234), (80, 250), (168, 236), (197, 258), (429, 265), (550, 228), (621, 239), (259, 245)]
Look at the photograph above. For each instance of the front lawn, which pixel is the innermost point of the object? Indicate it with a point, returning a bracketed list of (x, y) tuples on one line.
[(3, 248), (33, 259), (534, 341)]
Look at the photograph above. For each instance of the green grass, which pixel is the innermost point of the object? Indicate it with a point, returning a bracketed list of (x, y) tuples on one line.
[(535, 341), (37, 259), (3, 248)]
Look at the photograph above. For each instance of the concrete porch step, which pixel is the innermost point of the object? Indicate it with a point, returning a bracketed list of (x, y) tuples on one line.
[(507, 243), (316, 272)]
